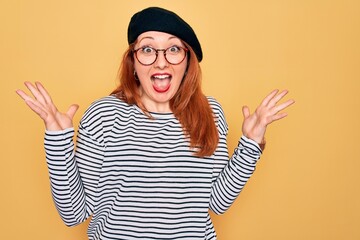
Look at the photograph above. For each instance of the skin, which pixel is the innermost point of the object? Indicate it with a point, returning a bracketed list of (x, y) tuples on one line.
[(254, 124), (155, 100)]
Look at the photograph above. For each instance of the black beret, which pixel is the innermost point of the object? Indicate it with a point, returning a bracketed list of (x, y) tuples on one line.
[(162, 20)]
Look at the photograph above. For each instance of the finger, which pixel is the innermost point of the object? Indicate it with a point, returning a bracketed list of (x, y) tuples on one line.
[(28, 100), (35, 92), (267, 99), (23, 95), (34, 105), (246, 111), (277, 98), (43, 92), (38, 110), (283, 105), (278, 117), (72, 110)]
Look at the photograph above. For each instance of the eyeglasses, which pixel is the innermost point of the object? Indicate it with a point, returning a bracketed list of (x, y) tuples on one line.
[(147, 55)]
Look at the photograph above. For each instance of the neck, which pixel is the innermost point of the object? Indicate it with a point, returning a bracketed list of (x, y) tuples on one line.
[(158, 107)]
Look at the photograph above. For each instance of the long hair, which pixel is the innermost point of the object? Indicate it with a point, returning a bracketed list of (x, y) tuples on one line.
[(189, 105)]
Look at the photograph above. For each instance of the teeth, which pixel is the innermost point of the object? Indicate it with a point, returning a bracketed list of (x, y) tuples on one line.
[(161, 82), (161, 76)]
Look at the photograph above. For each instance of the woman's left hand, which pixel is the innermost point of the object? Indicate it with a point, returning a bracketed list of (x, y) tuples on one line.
[(254, 125)]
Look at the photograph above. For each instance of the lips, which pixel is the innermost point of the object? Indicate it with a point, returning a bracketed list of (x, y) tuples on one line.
[(161, 82)]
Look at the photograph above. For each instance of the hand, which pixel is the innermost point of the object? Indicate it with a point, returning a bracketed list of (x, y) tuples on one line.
[(43, 106), (254, 125)]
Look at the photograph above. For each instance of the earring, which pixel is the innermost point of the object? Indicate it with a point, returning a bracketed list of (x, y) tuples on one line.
[(184, 75), (136, 76)]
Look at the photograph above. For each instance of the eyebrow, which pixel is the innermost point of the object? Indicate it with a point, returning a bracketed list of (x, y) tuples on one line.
[(146, 38)]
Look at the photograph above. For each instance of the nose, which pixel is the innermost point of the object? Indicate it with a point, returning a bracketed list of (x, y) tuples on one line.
[(161, 61)]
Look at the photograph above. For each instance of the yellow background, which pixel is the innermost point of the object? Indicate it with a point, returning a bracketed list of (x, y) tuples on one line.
[(307, 183)]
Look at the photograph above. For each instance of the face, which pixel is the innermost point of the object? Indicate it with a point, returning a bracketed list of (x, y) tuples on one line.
[(159, 81)]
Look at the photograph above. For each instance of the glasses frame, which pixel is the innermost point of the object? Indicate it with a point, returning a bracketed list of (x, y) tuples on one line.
[(135, 51)]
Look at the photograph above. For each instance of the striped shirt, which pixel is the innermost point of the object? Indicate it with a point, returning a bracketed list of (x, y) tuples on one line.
[(138, 178)]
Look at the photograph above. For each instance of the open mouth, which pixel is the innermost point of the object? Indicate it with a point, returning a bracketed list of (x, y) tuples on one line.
[(161, 82)]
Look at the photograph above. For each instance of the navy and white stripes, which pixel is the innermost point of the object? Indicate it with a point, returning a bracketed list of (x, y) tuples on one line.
[(137, 178)]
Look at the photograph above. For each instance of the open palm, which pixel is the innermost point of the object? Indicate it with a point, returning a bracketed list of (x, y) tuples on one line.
[(42, 104), (255, 124)]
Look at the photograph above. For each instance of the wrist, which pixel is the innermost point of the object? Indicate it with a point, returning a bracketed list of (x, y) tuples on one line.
[(262, 144), (260, 141), (52, 127)]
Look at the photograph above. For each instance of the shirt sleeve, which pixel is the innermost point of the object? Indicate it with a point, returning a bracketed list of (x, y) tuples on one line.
[(231, 175), (74, 174)]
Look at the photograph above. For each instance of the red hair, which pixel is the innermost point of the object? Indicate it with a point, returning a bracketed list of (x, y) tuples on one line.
[(189, 105)]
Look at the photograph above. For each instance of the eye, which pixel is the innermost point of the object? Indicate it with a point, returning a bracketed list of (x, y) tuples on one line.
[(147, 50), (174, 49)]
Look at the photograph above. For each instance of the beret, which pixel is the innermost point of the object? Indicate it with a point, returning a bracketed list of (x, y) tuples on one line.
[(162, 20)]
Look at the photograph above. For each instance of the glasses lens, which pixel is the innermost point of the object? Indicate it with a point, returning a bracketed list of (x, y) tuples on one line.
[(175, 54), (148, 55)]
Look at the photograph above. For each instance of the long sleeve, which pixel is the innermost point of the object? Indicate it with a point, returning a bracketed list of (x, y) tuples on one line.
[(235, 174), (151, 185), (66, 185), (74, 174), (230, 175)]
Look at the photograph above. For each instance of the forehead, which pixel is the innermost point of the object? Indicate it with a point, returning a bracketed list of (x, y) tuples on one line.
[(157, 37)]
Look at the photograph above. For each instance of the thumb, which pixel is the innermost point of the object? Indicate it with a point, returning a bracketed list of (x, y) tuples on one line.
[(246, 111), (72, 110)]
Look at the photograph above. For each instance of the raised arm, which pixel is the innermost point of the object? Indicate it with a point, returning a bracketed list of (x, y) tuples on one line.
[(230, 176), (72, 197)]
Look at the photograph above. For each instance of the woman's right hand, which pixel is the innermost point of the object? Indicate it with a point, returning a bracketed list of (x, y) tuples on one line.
[(43, 106)]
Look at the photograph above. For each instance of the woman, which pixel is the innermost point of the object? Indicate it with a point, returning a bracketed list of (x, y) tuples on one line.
[(151, 159)]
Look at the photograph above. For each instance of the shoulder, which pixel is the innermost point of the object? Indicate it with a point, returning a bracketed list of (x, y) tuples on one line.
[(104, 107), (218, 114), (215, 106), (107, 102)]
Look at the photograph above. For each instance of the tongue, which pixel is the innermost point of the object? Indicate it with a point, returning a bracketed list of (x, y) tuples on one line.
[(161, 84)]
